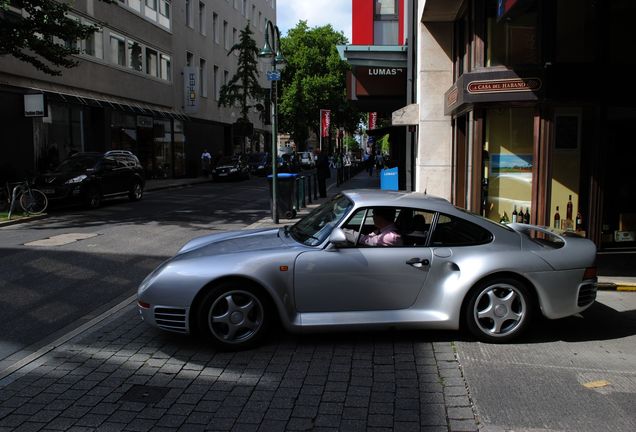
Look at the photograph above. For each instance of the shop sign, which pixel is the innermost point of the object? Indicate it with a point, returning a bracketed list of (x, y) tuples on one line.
[(34, 105), (191, 89), (504, 85), (373, 120), (325, 122), (379, 81), (144, 121)]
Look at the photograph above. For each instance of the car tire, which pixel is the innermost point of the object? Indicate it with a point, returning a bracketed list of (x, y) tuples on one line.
[(93, 198), (498, 310), (234, 316), (136, 191)]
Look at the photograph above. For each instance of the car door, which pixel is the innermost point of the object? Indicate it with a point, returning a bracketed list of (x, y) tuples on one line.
[(358, 277), (108, 176)]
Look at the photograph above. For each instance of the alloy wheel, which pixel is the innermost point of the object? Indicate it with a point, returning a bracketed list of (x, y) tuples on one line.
[(235, 316), (500, 310)]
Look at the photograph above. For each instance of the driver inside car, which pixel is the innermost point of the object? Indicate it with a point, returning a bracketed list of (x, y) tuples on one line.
[(385, 234)]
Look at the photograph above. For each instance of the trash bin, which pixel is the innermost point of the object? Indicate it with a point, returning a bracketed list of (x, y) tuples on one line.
[(285, 194)]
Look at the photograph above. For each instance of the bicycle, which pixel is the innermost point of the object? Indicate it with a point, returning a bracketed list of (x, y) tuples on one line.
[(32, 201)]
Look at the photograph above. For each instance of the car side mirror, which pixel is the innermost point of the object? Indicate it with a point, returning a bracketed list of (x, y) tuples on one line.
[(338, 237)]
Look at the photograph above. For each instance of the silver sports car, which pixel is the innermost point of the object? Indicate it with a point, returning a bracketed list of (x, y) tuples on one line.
[(431, 266)]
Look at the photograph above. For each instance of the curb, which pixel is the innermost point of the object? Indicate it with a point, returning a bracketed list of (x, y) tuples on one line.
[(623, 287), (23, 220)]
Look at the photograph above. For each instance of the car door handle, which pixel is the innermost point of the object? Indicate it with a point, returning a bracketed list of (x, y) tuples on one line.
[(418, 262)]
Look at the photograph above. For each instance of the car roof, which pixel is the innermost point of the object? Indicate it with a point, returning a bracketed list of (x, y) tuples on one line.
[(374, 197)]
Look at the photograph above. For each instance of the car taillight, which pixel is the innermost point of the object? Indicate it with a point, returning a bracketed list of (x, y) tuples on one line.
[(143, 305), (590, 273)]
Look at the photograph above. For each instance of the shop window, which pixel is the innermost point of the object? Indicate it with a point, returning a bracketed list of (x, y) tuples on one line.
[(135, 58), (385, 22), (178, 149), (566, 167), (508, 162), (117, 50), (162, 152), (511, 42)]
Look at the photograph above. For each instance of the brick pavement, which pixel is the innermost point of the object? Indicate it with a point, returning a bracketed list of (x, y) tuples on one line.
[(402, 381), (123, 375)]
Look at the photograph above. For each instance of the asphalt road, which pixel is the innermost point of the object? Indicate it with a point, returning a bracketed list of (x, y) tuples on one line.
[(45, 290)]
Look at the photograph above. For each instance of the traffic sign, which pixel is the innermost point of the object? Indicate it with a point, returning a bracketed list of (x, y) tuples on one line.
[(273, 75)]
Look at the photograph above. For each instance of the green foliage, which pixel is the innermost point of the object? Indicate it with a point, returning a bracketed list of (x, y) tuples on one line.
[(351, 143), (244, 86), (383, 144), (314, 79), (30, 37)]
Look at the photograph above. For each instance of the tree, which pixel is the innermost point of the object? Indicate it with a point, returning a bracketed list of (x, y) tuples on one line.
[(244, 85), (34, 35), (314, 79)]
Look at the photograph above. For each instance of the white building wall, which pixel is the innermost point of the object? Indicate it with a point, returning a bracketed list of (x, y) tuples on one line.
[(433, 164)]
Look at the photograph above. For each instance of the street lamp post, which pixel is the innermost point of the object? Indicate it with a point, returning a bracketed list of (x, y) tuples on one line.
[(277, 62)]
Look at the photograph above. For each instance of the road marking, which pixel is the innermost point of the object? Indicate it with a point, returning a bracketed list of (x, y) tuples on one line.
[(61, 340), (596, 384), (62, 239)]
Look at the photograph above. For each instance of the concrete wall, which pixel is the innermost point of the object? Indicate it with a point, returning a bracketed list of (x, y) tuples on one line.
[(433, 164)]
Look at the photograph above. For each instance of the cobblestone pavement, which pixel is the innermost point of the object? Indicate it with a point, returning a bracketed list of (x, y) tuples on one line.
[(124, 375)]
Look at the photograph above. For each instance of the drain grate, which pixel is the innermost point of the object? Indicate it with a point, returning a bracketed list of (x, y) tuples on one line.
[(145, 394)]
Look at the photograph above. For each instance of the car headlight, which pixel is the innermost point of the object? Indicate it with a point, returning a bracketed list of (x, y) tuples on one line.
[(260, 167), (77, 179), (233, 170)]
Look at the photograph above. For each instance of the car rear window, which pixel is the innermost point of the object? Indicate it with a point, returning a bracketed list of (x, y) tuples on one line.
[(542, 237), (454, 231)]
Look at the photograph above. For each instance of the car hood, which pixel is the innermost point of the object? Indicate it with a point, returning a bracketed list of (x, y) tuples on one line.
[(59, 177), (226, 166), (233, 242)]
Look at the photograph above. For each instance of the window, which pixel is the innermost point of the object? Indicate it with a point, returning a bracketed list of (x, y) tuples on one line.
[(453, 231), (226, 75), (94, 44), (165, 68), (188, 11), (254, 23), (135, 4), (260, 21), (244, 8), (202, 22), (189, 58), (384, 226), (152, 65), (164, 13), (385, 22), (117, 50), (203, 75), (135, 57), (514, 42), (226, 40), (215, 27), (150, 11), (217, 87), (72, 43), (234, 38)]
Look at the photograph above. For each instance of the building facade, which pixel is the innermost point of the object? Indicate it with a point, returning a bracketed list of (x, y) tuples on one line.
[(129, 90), (521, 110)]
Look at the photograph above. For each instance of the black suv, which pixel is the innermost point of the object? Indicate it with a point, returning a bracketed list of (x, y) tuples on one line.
[(231, 167), (91, 177)]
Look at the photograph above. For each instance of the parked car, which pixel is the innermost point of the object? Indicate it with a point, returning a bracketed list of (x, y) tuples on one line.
[(255, 160), (231, 167), (453, 270), (90, 178)]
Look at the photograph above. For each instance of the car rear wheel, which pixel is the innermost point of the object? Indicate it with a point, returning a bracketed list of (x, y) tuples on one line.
[(499, 310), (136, 191), (93, 198), (234, 316)]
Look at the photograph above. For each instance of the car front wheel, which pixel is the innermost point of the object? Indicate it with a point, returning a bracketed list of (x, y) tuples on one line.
[(499, 310), (136, 191), (234, 316)]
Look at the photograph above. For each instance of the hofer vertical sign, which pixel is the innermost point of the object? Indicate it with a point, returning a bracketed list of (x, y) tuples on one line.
[(373, 120), (191, 89), (325, 122)]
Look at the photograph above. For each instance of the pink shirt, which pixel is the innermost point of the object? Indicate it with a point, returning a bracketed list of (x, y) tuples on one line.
[(388, 236)]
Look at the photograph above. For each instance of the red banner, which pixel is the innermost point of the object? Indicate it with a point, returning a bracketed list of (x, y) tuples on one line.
[(325, 122), (373, 120)]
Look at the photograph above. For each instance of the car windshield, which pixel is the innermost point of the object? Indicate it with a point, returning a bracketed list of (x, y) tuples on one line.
[(228, 160), (78, 163), (314, 228)]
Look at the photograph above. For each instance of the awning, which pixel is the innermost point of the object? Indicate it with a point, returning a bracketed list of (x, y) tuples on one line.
[(374, 55), (94, 99)]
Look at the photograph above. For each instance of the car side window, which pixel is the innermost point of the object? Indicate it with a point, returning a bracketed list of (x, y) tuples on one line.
[(375, 226), (108, 164), (454, 231)]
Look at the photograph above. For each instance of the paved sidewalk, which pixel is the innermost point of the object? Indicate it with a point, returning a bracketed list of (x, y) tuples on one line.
[(121, 374)]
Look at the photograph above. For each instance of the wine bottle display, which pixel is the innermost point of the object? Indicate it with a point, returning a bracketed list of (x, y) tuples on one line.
[(568, 212), (557, 219), (514, 215)]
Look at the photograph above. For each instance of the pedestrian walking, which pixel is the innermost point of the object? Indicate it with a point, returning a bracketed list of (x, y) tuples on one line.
[(323, 172), (206, 162)]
